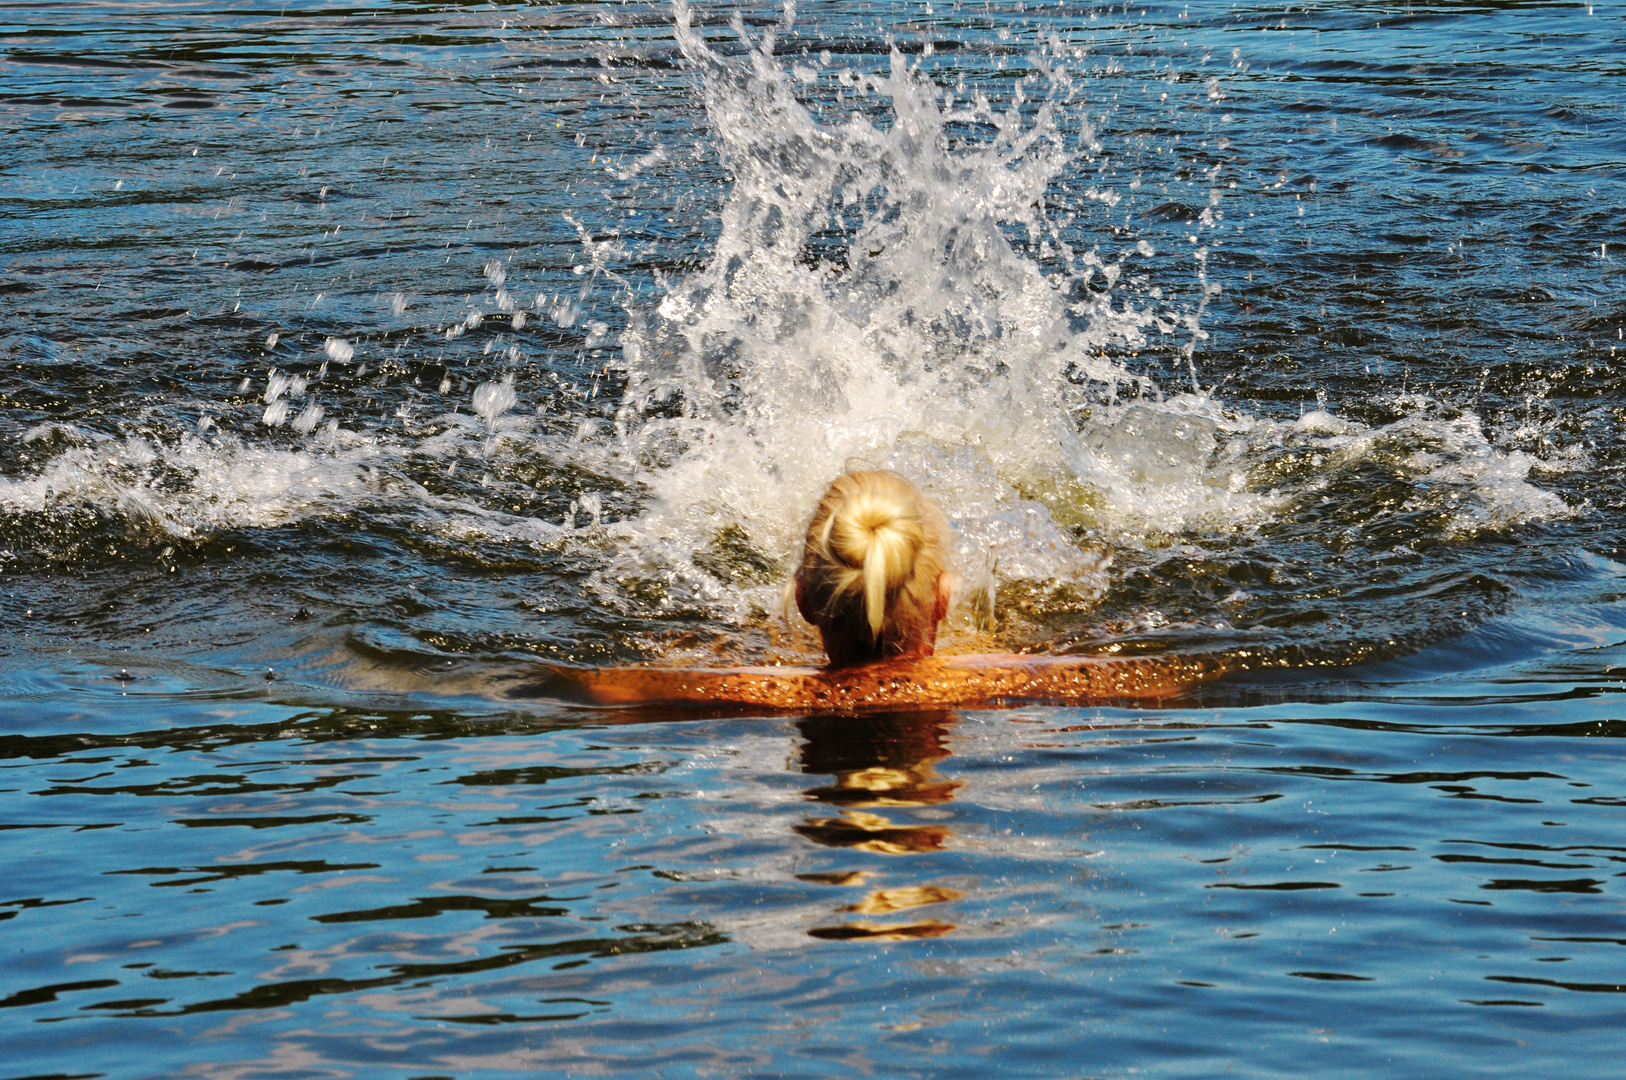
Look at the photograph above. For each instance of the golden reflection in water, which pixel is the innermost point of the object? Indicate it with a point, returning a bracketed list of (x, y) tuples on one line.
[(879, 761), (874, 833), (887, 760), (886, 901)]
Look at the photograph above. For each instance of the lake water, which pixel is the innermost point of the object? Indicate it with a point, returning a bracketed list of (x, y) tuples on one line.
[(358, 359)]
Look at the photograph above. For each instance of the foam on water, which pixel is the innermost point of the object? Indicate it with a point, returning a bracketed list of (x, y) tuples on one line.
[(191, 485), (1451, 465)]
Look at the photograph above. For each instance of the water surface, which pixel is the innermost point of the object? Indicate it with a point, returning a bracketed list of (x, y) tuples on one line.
[(357, 358)]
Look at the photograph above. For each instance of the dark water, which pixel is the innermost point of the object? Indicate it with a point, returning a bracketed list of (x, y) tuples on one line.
[(267, 807)]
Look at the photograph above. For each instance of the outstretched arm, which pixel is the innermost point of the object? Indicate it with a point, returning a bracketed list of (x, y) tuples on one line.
[(932, 681)]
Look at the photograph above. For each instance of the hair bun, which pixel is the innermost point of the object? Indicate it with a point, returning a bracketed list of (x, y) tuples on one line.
[(874, 529)]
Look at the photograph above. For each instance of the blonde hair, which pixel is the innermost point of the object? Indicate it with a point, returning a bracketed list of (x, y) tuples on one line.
[(871, 563)]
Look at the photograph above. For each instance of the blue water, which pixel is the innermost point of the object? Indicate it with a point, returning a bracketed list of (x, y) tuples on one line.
[(273, 805)]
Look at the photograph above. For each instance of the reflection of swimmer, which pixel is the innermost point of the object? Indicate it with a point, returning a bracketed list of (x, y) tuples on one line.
[(877, 762), (880, 760), (874, 581)]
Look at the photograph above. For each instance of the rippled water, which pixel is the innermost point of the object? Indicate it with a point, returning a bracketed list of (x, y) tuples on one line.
[(356, 358)]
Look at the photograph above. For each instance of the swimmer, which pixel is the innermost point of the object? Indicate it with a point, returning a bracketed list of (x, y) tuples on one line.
[(874, 580)]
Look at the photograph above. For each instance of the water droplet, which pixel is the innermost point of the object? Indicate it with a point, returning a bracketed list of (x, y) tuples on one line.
[(492, 399)]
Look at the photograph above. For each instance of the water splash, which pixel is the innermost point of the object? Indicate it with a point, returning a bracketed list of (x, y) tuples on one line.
[(890, 291), (866, 305)]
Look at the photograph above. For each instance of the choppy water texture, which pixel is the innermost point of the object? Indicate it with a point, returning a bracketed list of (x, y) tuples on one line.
[(357, 358)]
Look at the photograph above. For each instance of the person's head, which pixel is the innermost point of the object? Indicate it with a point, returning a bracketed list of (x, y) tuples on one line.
[(874, 571)]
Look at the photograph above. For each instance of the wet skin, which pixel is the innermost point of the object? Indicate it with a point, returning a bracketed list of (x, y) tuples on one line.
[(904, 683)]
